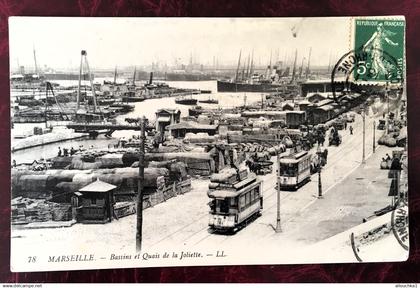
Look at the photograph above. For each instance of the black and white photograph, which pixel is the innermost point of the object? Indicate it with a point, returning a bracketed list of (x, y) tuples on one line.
[(155, 142)]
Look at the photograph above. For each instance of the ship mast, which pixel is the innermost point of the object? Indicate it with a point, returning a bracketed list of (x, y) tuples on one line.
[(294, 68), (251, 68), (115, 82), (247, 67), (301, 67), (329, 63), (309, 61), (36, 66), (239, 63), (134, 76)]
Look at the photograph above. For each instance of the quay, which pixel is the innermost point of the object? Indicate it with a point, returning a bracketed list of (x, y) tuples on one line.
[(89, 127)]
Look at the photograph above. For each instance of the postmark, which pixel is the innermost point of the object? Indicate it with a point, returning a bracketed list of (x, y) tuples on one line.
[(377, 59), (399, 224)]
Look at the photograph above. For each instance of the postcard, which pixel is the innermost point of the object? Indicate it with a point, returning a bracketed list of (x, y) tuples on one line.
[(155, 142)]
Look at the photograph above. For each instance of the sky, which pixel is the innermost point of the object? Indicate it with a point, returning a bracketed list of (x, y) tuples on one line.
[(111, 42)]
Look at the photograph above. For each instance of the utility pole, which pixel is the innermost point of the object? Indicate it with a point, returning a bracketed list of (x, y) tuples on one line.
[(364, 132), (278, 222), (374, 144), (318, 151), (140, 186)]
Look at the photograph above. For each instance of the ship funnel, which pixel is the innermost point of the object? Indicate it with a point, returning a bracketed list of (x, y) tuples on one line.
[(151, 78)]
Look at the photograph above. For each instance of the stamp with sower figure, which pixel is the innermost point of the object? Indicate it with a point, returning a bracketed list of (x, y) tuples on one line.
[(377, 57)]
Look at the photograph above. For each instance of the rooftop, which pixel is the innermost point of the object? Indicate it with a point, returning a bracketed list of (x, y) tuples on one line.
[(98, 186), (191, 125)]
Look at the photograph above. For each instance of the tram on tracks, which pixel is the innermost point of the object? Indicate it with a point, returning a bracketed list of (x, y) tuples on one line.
[(233, 206), (294, 170)]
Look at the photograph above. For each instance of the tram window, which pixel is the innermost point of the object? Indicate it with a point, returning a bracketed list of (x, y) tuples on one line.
[(224, 205), (233, 202), (247, 198), (242, 201), (288, 170)]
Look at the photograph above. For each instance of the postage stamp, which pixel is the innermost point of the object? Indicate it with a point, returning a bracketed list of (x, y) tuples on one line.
[(382, 41), (377, 57)]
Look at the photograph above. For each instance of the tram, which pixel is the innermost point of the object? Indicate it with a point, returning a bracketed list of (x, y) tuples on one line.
[(232, 207), (294, 170)]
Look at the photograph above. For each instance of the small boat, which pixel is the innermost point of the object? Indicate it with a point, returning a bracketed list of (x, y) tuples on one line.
[(205, 91), (132, 99), (186, 101), (195, 111), (106, 101), (210, 101)]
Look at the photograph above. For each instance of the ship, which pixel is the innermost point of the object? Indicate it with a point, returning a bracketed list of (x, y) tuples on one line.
[(66, 76), (229, 86), (186, 101), (184, 76), (276, 78), (209, 100)]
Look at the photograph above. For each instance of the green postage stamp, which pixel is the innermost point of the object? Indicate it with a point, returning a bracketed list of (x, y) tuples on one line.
[(381, 43)]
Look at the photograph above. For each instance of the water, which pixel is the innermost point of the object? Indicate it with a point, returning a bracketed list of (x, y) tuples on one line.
[(146, 108)]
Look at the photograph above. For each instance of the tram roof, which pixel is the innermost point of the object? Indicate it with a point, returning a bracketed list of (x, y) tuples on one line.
[(294, 158), (228, 193)]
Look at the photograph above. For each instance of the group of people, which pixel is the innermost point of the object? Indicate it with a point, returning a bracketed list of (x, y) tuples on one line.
[(65, 152)]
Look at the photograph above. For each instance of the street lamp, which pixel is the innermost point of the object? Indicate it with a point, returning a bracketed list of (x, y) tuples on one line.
[(319, 153), (374, 144), (140, 187), (278, 222)]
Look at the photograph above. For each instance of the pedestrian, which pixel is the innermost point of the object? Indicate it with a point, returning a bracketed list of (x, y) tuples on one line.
[(72, 151), (345, 125), (351, 130), (59, 152), (65, 152), (387, 157)]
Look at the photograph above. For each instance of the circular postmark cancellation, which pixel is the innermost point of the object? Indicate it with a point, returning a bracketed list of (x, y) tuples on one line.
[(361, 69), (399, 224)]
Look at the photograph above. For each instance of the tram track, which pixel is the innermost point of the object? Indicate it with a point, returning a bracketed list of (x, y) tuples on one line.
[(202, 233), (343, 150)]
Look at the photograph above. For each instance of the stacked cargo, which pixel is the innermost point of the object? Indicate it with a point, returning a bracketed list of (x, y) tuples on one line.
[(25, 210), (227, 177)]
